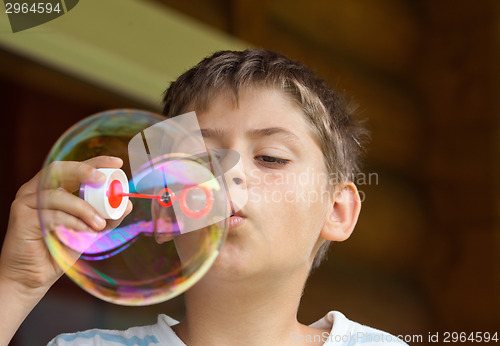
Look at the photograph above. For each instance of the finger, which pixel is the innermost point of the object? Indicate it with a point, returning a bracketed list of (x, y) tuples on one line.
[(105, 162), (69, 174), (60, 199), (56, 218), (72, 232), (91, 175), (86, 172)]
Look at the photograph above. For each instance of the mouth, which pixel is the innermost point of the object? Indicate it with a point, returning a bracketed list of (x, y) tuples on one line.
[(236, 219)]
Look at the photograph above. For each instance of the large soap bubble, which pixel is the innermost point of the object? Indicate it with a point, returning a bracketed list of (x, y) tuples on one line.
[(180, 207)]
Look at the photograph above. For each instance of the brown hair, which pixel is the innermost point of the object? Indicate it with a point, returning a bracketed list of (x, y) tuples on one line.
[(338, 134)]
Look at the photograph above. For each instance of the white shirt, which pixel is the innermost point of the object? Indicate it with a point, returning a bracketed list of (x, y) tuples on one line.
[(343, 332)]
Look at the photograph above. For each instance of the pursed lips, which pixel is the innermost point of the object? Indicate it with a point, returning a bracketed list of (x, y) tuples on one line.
[(236, 219)]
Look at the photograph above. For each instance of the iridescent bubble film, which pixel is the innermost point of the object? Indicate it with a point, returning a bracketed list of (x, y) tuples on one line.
[(180, 207)]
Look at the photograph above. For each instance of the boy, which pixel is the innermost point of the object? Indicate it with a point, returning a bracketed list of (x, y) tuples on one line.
[(285, 123)]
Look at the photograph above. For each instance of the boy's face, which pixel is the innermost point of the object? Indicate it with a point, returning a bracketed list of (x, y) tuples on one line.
[(284, 174)]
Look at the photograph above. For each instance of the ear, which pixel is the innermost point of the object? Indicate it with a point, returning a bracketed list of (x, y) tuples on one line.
[(343, 212)]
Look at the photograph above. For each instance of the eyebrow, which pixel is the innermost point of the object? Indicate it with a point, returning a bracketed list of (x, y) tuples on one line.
[(255, 133), (209, 133)]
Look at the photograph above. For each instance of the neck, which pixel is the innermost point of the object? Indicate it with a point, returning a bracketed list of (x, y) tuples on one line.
[(249, 311)]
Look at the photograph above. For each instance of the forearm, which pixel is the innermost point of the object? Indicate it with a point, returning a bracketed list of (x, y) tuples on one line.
[(16, 302)]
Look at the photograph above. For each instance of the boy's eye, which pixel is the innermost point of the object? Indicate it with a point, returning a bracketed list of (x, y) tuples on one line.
[(270, 160)]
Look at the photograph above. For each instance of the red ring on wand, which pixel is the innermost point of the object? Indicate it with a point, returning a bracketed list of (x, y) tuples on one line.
[(196, 214)]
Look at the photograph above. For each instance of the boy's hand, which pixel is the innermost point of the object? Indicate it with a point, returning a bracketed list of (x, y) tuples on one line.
[(25, 259)]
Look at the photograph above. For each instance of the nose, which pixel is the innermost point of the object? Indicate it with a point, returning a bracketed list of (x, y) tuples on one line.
[(234, 177), (237, 187)]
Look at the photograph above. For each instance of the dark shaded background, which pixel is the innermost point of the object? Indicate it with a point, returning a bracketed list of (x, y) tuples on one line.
[(425, 254)]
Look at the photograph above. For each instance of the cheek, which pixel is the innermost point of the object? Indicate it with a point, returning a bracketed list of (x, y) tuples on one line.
[(293, 209)]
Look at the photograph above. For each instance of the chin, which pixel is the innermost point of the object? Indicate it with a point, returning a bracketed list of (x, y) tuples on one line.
[(233, 263)]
